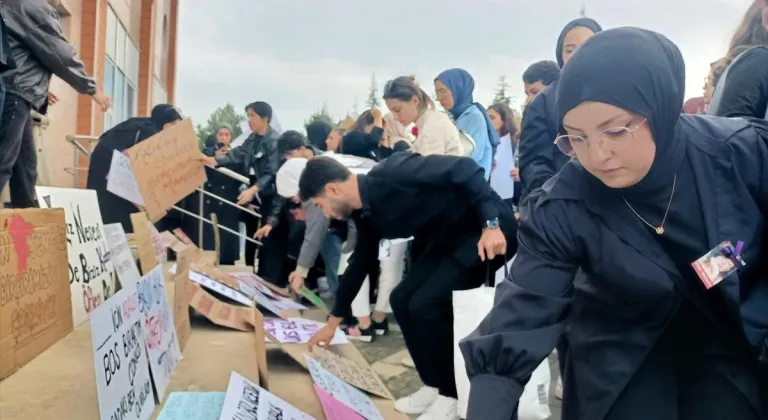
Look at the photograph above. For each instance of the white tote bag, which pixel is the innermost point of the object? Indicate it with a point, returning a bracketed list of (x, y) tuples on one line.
[(469, 309)]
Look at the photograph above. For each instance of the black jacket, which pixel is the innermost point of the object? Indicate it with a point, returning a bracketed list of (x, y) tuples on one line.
[(435, 198), (258, 158), (539, 158), (6, 62), (630, 289)]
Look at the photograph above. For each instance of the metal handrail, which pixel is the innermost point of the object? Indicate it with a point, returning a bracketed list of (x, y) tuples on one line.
[(75, 139)]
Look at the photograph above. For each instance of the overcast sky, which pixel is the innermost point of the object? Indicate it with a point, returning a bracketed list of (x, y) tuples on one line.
[(299, 54)]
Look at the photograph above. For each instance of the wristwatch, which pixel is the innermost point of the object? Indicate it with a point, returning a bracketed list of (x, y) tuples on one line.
[(492, 224)]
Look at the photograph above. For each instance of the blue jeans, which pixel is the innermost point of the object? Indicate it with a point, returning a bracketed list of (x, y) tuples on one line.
[(18, 156), (331, 253)]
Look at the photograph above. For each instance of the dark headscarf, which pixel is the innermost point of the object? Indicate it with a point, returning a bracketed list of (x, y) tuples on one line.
[(462, 86), (317, 133), (639, 71), (165, 113), (588, 23)]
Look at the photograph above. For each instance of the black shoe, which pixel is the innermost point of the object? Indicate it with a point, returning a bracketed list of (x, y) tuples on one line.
[(356, 333), (382, 328)]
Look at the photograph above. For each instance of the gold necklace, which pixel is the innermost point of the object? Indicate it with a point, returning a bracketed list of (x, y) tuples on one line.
[(659, 229)]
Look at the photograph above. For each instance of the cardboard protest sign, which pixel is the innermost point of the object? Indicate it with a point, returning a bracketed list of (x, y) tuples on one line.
[(342, 391), (122, 257), (219, 287), (160, 335), (166, 168), (183, 237), (121, 181), (181, 300), (261, 348), (143, 238), (218, 312), (298, 330), (123, 383), (361, 376), (35, 302), (256, 281), (247, 401), (91, 273)]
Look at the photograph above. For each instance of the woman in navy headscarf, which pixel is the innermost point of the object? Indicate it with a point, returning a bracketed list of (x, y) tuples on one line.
[(454, 89), (651, 191)]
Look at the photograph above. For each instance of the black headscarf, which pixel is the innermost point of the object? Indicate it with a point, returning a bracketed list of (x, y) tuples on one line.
[(165, 113), (588, 23), (639, 71), (317, 133)]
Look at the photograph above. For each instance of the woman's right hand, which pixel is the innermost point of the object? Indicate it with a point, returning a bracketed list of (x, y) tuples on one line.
[(515, 173)]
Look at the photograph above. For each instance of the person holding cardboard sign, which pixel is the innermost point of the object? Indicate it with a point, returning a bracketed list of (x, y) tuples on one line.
[(258, 158), (441, 200)]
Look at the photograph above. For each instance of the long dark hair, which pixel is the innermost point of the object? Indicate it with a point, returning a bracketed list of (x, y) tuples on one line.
[(365, 119), (750, 32), (508, 125), (404, 88)]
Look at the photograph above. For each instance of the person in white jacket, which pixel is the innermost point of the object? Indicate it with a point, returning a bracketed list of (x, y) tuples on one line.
[(435, 133)]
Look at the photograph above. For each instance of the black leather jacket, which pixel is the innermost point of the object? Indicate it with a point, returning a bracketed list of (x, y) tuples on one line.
[(39, 49), (257, 157)]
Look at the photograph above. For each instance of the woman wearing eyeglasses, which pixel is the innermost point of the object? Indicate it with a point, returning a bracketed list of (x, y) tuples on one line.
[(434, 131), (652, 191)]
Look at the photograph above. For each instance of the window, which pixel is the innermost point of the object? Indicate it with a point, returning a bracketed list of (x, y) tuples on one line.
[(121, 72), (111, 32), (120, 50)]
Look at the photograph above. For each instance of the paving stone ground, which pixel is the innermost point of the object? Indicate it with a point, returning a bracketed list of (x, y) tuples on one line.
[(385, 355)]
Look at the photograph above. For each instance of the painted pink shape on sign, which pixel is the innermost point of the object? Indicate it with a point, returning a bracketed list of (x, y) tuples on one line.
[(333, 408), (20, 230)]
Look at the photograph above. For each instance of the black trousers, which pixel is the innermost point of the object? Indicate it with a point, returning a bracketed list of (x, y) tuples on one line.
[(273, 254), (423, 306), (18, 157)]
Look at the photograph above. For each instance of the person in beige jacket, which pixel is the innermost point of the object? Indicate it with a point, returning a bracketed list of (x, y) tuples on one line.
[(434, 131)]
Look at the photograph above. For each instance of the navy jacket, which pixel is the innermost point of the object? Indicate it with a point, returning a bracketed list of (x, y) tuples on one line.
[(630, 288), (539, 158)]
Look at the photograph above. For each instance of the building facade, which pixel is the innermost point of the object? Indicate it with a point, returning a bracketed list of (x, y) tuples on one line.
[(129, 47)]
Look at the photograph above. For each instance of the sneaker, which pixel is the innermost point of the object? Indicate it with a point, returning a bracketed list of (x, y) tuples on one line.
[(418, 402), (382, 328), (444, 408), (559, 389), (356, 333), (408, 362)]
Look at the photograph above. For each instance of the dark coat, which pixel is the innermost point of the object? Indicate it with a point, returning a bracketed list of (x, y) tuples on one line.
[(539, 158), (630, 288)]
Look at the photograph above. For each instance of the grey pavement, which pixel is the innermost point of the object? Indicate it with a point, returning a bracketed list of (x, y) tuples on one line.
[(385, 354)]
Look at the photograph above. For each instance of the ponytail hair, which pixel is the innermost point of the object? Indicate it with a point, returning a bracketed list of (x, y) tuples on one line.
[(404, 88)]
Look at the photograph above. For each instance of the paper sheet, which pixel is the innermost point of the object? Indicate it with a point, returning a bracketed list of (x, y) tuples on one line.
[(298, 330), (333, 408), (247, 401), (193, 406)]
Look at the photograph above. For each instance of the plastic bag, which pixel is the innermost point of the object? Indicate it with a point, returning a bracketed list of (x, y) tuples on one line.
[(469, 309)]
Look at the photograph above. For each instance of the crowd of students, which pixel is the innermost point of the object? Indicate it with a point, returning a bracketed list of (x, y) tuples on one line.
[(605, 196)]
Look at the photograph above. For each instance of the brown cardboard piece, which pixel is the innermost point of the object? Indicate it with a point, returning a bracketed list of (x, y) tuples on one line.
[(217, 274), (359, 375), (180, 299), (220, 313), (261, 347), (35, 298), (143, 238), (166, 168), (183, 237)]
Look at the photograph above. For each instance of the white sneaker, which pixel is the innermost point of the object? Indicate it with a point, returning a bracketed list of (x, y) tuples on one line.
[(418, 402), (559, 389), (408, 362), (444, 408)]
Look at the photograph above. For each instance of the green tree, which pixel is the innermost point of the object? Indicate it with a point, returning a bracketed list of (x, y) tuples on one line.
[(501, 96), (373, 95), (321, 114), (223, 115)]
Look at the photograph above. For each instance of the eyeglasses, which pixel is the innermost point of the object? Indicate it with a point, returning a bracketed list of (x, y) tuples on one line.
[(614, 139)]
